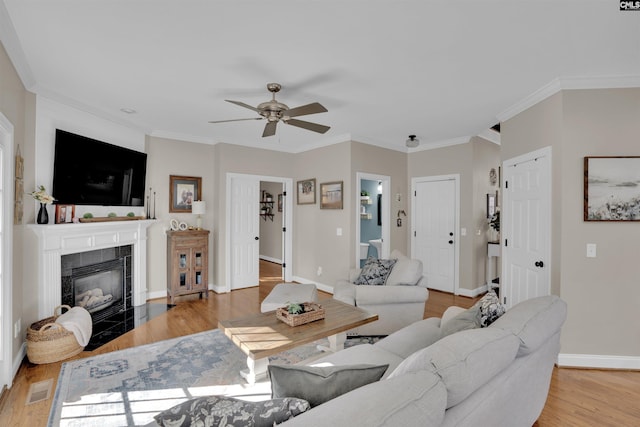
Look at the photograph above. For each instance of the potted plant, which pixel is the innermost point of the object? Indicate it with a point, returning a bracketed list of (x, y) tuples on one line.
[(364, 195)]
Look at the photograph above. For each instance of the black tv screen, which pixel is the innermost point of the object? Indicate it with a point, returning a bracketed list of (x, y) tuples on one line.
[(91, 172)]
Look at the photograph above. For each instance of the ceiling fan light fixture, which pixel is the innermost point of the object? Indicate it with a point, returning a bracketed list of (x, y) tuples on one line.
[(412, 142)]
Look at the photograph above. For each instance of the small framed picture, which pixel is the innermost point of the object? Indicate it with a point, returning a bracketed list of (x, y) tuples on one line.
[(491, 205), (183, 190), (280, 202), (307, 191), (331, 195), (65, 213)]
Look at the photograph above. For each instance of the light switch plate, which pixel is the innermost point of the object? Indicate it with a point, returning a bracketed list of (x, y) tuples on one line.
[(591, 250)]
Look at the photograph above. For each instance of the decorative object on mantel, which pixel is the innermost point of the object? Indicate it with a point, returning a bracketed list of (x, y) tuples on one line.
[(296, 314), (41, 195), (110, 218), (65, 213)]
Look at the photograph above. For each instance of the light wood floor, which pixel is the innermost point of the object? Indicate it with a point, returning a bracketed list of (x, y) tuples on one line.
[(576, 397)]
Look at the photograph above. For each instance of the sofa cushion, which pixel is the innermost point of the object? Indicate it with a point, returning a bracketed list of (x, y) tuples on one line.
[(363, 353), (468, 319), (406, 271), (320, 384), (408, 400), (375, 271), (464, 361), (222, 410), (411, 338), (490, 308), (534, 321)]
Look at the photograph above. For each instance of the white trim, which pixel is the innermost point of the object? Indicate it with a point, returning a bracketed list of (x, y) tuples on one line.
[(321, 286), (456, 225), (6, 287), (386, 213), (287, 186), (17, 361), (472, 293), (439, 144), (598, 361), (13, 47), (566, 83), (491, 136), (270, 259)]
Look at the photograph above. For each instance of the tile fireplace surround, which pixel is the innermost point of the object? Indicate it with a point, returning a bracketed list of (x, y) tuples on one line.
[(54, 241)]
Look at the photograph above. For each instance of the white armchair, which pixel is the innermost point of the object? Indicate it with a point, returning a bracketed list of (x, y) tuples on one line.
[(398, 303)]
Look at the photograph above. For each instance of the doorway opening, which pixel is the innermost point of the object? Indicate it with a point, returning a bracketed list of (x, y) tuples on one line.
[(372, 216)]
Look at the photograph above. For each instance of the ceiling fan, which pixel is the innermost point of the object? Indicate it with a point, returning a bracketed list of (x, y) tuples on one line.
[(275, 112)]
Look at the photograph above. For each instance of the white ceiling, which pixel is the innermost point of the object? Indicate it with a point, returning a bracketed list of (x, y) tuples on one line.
[(443, 70)]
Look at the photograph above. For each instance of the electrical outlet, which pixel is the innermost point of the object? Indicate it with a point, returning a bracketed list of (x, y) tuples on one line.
[(591, 250), (16, 328)]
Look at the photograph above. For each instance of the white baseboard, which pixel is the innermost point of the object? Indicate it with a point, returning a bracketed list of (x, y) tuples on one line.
[(156, 295), (218, 289), (320, 286), (274, 260), (17, 361), (597, 361), (472, 293)]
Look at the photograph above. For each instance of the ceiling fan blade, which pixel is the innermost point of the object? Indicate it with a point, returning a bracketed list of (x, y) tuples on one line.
[(308, 125), (234, 120), (303, 110), (269, 129), (242, 104)]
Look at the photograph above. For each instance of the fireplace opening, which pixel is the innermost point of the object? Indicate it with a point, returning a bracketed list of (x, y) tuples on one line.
[(101, 282)]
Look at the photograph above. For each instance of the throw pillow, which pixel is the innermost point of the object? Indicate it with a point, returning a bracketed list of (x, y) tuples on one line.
[(406, 271), (468, 319), (223, 411), (317, 385), (490, 309), (375, 271)]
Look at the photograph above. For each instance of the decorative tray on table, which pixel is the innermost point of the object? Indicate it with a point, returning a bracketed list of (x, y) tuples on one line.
[(312, 312)]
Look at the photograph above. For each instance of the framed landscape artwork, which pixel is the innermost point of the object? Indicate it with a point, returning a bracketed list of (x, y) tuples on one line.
[(331, 195), (612, 188), (306, 191), (183, 190)]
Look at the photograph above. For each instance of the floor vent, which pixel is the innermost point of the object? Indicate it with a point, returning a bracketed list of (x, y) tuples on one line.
[(39, 391)]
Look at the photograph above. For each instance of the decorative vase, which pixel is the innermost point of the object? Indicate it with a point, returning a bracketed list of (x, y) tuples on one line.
[(43, 215)]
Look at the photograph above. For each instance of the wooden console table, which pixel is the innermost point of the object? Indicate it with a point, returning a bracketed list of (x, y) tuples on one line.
[(262, 335)]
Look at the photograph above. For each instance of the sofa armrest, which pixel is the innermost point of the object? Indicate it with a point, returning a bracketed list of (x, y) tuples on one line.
[(450, 313), (353, 274), (345, 292), (372, 295)]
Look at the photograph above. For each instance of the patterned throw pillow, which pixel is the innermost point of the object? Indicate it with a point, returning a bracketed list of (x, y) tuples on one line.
[(211, 411), (490, 309), (375, 271)]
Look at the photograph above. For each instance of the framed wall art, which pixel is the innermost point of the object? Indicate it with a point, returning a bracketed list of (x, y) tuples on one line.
[(183, 190), (306, 191), (612, 188), (331, 195)]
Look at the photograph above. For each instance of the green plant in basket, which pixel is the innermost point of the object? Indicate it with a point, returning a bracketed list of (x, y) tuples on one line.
[(295, 308)]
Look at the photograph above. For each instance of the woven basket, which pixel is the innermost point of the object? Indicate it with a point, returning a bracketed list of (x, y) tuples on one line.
[(312, 312), (48, 341)]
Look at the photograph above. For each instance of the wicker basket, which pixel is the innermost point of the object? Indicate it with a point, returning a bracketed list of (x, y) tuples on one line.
[(312, 312), (48, 341)]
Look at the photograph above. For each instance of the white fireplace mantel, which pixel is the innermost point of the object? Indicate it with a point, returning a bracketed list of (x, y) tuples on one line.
[(54, 241)]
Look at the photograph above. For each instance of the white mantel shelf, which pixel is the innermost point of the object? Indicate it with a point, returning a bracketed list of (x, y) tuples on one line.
[(54, 241)]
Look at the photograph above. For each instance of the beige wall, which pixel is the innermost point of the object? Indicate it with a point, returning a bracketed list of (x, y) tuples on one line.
[(602, 293), (271, 228), (380, 161), (316, 243), (167, 157)]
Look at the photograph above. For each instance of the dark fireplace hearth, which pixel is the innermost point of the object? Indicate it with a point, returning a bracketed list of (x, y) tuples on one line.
[(100, 281)]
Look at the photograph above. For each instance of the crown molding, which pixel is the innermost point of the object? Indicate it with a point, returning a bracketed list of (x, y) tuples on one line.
[(569, 83), (13, 47), (181, 137), (490, 135), (440, 144)]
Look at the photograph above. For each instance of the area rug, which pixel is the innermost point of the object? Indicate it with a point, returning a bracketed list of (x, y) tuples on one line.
[(128, 387)]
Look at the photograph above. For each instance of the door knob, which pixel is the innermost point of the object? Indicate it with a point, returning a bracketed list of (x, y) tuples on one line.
[(451, 234), (257, 238), (539, 264), (451, 242)]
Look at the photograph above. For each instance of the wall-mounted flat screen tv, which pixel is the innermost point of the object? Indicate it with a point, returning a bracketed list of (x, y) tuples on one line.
[(91, 172)]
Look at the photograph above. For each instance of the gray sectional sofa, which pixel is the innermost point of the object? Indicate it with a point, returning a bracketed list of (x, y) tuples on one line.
[(493, 376)]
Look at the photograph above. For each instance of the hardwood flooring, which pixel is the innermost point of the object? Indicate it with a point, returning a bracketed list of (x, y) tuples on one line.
[(576, 397)]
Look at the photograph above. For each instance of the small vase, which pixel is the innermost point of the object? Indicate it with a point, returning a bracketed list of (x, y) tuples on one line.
[(43, 215)]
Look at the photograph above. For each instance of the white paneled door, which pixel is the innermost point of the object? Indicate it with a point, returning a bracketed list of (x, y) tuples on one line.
[(245, 232), (434, 230), (526, 227)]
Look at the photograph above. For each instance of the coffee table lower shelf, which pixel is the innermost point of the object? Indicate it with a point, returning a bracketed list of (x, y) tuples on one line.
[(262, 335)]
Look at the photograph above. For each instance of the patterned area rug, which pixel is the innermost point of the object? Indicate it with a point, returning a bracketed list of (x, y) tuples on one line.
[(128, 387)]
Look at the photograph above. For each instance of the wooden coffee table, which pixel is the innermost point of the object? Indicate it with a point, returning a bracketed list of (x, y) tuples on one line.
[(262, 335)]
